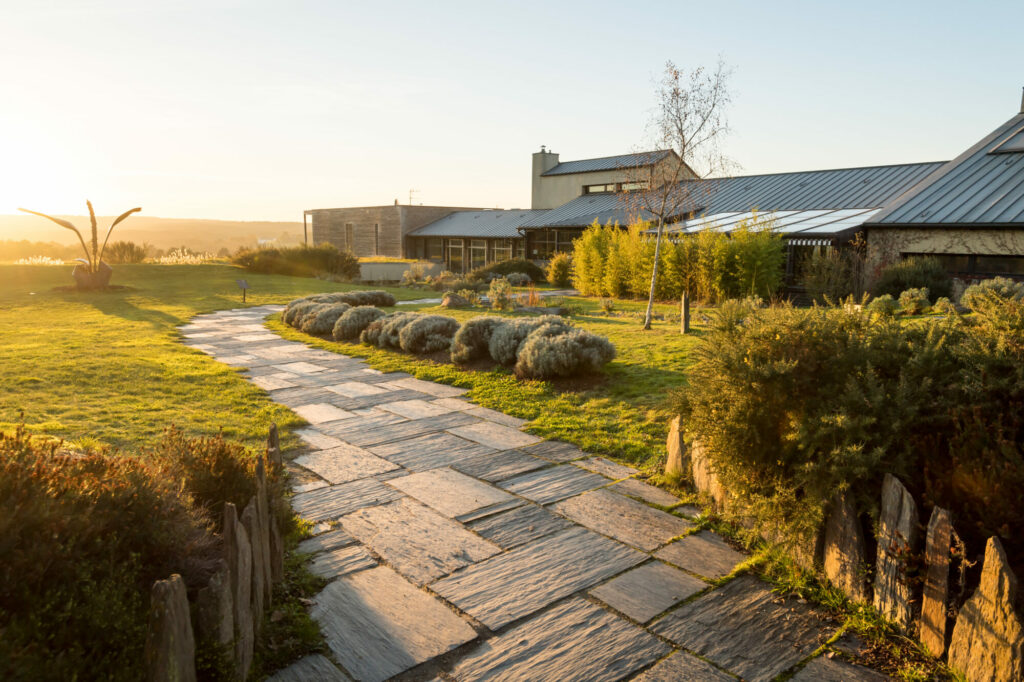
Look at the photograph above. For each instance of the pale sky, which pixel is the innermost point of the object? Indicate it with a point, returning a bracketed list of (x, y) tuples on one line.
[(258, 110)]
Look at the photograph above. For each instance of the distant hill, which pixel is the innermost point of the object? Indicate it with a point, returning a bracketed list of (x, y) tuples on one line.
[(164, 233)]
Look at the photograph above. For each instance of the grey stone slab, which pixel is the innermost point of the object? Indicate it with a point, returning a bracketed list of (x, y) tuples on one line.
[(414, 409), (317, 439), (497, 466), (498, 417), (356, 389), (429, 387), (455, 495), (573, 642), (556, 483), (509, 586), (265, 336), (645, 591), (454, 403), (270, 384), (623, 518), (350, 430), (823, 669), (431, 451), (405, 429), (340, 561), (416, 541), (300, 367), (318, 413), (378, 400), (237, 360), (606, 467), (555, 451), (336, 501), (302, 395), (313, 668), (518, 526), (704, 553), (345, 463), (378, 625), (743, 628), (325, 542), (494, 435), (682, 667), (645, 492)]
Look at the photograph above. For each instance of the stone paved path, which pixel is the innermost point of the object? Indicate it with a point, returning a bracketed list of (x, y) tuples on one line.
[(461, 548)]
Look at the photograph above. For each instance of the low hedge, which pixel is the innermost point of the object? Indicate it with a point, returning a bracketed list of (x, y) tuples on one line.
[(300, 261)]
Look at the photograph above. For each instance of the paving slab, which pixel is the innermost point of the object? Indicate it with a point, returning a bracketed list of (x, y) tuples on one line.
[(236, 360), (361, 434), (556, 451), (335, 501), (497, 466), (645, 591), (645, 492), (325, 542), (430, 451), (369, 421), (356, 389), (300, 367), (314, 668), (509, 586), (416, 541), (822, 669), (743, 628), (270, 384), (494, 435), (518, 526), (704, 553), (497, 417), (377, 624), (414, 409), (318, 413), (606, 467), (317, 439), (554, 484), (682, 667), (345, 463), (429, 387), (454, 403), (341, 561), (622, 518), (249, 338), (573, 642), (455, 495)]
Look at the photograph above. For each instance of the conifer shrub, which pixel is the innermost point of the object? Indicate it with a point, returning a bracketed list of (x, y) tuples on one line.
[(560, 270), (914, 273), (552, 351), (507, 338), (1001, 287), (321, 321), (472, 340), (884, 305), (428, 334), (500, 294), (914, 301), (353, 321)]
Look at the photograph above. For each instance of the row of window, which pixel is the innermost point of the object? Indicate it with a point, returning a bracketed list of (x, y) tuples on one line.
[(965, 264), (612, 187), (461, 255)]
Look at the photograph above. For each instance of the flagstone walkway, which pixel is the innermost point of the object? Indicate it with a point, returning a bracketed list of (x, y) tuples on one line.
[(459, 547)]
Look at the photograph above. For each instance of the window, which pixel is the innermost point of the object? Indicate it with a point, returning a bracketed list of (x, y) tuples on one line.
[(376, 239), (615, 187), (350, 237), (520, 248), (435, 248), (598, 189), (632, 186), (976, 266), (564, 239), (502, 249), (477, 253), (455, 263), (542, 244)]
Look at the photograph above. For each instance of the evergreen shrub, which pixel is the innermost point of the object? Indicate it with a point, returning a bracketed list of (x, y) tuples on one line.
[(506, 339), (560, 270), (300, 261), (884, 305), (384, 332), (428, 334), (473, 338), (321, 321), (1001, 287), (553, 351), (519, 279), (354, 320), (914, 301), (500, 294), (505, 268), (915, 272)]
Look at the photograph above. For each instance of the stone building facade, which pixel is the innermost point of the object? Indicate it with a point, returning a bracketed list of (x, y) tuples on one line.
[(371, 230)]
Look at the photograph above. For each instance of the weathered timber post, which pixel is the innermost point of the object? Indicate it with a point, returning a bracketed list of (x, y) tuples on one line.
[(684, 314)]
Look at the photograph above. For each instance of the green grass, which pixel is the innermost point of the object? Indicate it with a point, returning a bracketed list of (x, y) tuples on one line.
[(109, 368)]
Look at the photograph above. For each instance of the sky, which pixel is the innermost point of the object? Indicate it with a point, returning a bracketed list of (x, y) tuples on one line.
[(259, 110)]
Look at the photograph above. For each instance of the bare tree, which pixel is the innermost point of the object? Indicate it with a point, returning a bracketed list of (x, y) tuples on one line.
[(688, 128)]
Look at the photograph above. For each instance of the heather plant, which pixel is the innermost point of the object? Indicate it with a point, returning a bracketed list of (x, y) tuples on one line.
[(1001, 287), (914, 273), (884, 305), (560, 270), (353, 321), (506, 339), (553, 351), (428, 334), (322, 321), (473, 338), (500, 294), (914, 301)]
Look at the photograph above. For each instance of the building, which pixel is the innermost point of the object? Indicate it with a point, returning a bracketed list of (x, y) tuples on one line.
[(470, 239)]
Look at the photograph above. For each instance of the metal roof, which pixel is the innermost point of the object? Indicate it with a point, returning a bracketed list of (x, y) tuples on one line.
[(609, 163), (501, 224), (826, 190), (815, 223), (982, 186)]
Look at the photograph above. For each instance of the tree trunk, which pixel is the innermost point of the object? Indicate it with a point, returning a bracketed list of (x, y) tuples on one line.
[(654, 273)]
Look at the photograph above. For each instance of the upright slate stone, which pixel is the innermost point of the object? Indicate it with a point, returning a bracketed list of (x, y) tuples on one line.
[(215, 620), (897, 538), (704, 476), (845, 555), (251, 522), (934, 601), (988, 638), (676, 448), (238, 555), (170, 647)]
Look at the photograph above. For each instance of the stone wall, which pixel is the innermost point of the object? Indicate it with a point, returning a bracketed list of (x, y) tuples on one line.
[(376, 230), (885, 245)]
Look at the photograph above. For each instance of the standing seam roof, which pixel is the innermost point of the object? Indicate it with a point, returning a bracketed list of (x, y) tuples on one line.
[(608, 163), (495, 223)]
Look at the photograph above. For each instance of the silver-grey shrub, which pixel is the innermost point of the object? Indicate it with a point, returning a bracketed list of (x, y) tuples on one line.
[(519, 279), (474, 337), (1003, 287), (296, 307), (298, 313), (506, 339), (551, 351), (380, 299), (384, 332), (322, 321), (350, 325), (428, 334)]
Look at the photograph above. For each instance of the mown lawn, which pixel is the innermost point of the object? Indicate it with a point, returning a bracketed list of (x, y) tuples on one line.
[(109, 368)]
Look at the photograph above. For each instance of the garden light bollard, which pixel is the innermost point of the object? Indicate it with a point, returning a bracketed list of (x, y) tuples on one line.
[(243, 285)]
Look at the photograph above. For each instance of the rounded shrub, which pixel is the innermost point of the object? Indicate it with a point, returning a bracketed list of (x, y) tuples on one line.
[(381, 299), (560, 270), (384, 332), (914, 301), (519, 279), (472, 339), (1001, 287), (354, 320), (507, 267), (428, 334), (500, 294), (944, 306), (322, 321), (884, 305), (555, 351), (297, 314), (507, 338), (914, 273)]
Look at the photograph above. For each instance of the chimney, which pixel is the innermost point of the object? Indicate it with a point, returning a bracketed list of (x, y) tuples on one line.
[(544, 160)]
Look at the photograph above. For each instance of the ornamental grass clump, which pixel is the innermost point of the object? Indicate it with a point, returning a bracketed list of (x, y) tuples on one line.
[(321, 322), (553, 351), (1000, 287), (914, 301), (428, 334), (472, 340), (507, 338), (354, 320)]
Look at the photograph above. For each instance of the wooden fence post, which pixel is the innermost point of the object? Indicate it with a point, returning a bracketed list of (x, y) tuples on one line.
[(684, 314)]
